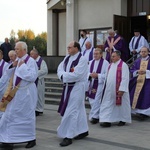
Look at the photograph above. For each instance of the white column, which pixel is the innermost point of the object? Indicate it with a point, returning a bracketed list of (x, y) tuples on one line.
[(49, 31), (71, 21)]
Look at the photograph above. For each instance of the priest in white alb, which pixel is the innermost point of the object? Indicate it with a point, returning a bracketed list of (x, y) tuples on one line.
[(115, 102), (73, 71), (18, 122), (42, 72), (96, 76)]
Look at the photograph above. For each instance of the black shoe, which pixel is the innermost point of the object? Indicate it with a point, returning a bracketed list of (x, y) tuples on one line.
[(41, 113), (105, 124), (31, 144), (37, 113), (142, 117), (66, 142), (121, 123), (81, 136), (94, 120), (6, 146)]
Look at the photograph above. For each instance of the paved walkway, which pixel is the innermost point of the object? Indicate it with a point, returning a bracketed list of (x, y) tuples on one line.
[(135, 136)]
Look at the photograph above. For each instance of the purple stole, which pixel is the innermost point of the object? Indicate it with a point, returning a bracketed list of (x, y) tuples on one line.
[(118, 80), (18, 79), (1, 68), (38, 64), (92, 91), (137, 42), (64, 102), (90, 55)]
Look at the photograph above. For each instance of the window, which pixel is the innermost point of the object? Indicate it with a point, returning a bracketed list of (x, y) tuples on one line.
[(98, 36)]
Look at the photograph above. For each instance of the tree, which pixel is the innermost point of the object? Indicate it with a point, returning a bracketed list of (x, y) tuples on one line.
[(43, 35), (28, 36), (20, 34), (12, 34)]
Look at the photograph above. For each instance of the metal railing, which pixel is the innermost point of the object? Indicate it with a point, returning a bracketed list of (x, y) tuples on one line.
[(132, 59)]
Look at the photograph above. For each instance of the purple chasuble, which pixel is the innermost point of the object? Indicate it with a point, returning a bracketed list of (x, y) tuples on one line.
[(92, 91), (38, 64), (121, 46), (64, 102), (18, 79), (1, 68), (144, 97)]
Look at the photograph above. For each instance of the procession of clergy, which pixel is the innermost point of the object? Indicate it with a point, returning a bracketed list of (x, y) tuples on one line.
[(106, 82), (113, 89)]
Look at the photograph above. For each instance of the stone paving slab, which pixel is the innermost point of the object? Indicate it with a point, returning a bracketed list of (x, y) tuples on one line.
[(135, 136)]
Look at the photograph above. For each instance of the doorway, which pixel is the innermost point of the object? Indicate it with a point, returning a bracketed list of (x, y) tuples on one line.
[(139, 22)]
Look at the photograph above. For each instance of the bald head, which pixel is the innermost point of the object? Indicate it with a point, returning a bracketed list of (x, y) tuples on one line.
[(12, 55), (88, 45), (111, 33), (34, 53)]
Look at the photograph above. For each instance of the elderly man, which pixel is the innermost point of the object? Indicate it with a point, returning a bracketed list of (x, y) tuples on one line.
[(18, 122), (140, 85), (88, 52), (3, 64), (115, 105), (72, 72), (97, 72), (115, 42), (3, 67), (42, 72), (12, 56), (137, 42)]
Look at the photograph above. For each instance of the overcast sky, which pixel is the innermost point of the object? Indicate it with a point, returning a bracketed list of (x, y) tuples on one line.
[(23, 15)]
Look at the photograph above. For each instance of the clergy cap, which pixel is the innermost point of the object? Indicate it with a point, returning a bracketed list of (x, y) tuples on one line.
[(136, 30)]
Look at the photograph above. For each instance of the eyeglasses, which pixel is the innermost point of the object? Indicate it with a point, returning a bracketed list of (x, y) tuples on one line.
[(69, 47)]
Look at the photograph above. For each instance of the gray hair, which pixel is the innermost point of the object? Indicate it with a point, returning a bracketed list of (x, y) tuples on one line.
[(23, 46), (111, 31), (35, 51), (12, 52), (117, 52)]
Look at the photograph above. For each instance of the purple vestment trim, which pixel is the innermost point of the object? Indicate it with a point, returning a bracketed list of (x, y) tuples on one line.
[(64, 102), (143, 101), (18, 79), (1, 68), (38, 64), (137, 42), (90, 55), (118, 80), (91, 94)]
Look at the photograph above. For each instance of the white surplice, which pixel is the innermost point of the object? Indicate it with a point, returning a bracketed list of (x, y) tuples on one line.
[(95, 103), (18, 121), (109, 111), (87, 53), (74, 121), (82, 42), (142, 43), (42, 72), (5, 67)]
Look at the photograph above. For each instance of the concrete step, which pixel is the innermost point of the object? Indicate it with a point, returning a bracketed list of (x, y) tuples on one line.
[(53, 95), (54, 89), (53, 84)]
